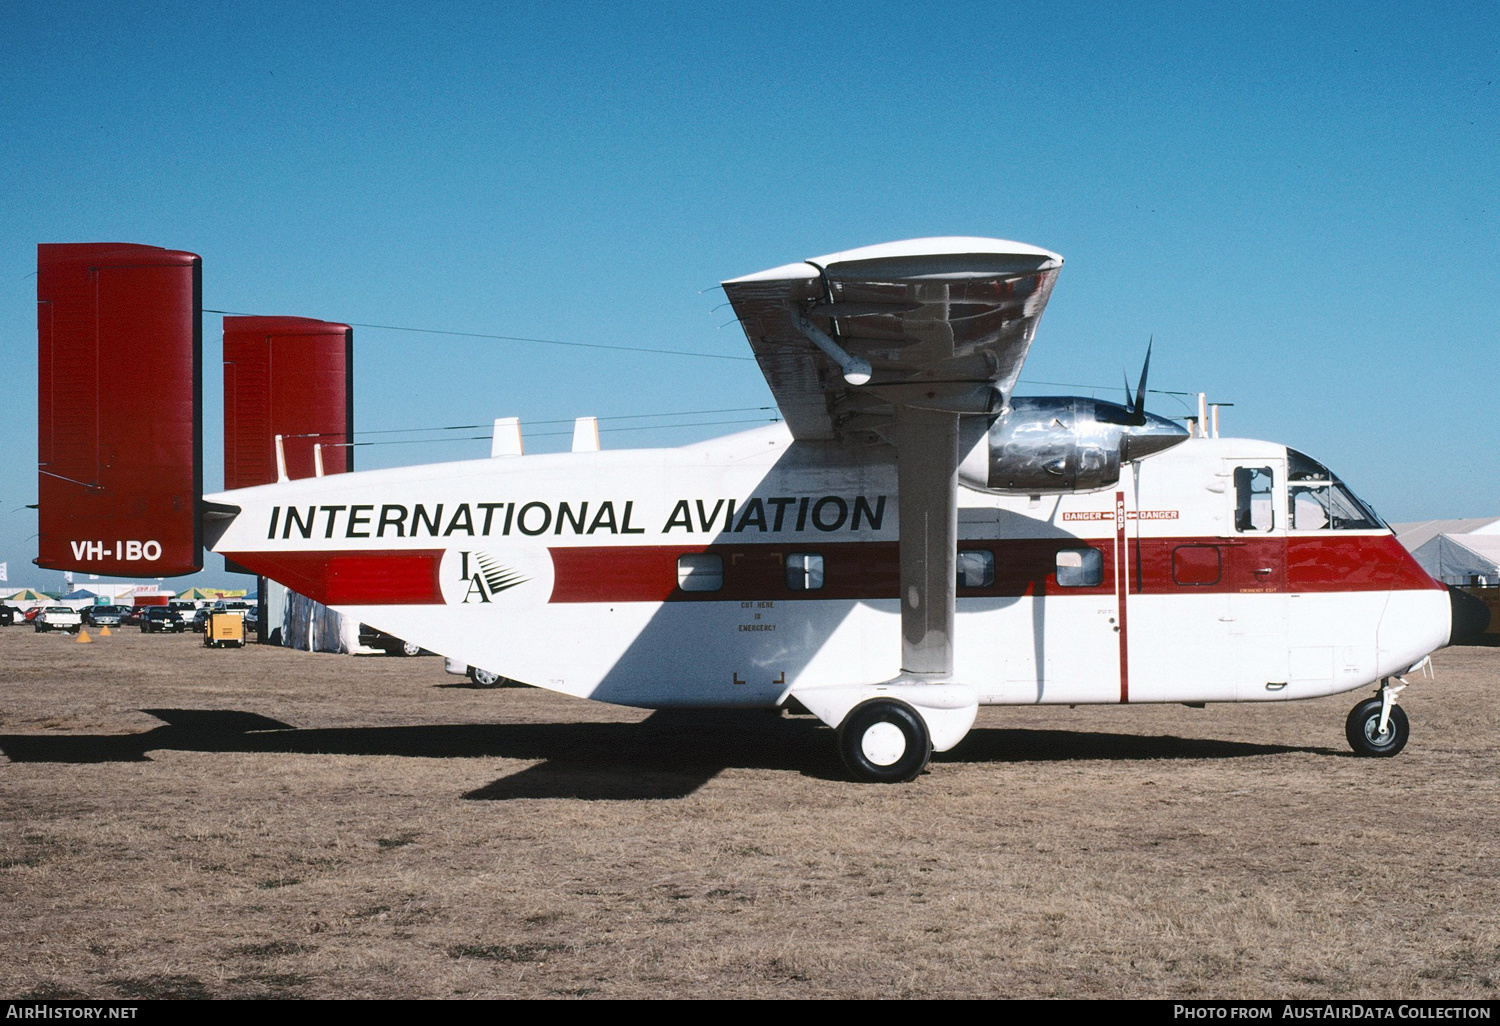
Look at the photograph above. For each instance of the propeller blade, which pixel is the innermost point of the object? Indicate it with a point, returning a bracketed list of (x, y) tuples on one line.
[(1140, 392)]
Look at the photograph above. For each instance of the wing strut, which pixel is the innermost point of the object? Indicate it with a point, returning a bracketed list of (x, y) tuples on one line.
[(927, 479), (927, 450)]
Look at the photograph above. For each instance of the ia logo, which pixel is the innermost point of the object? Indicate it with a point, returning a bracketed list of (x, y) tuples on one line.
[(475, 578)]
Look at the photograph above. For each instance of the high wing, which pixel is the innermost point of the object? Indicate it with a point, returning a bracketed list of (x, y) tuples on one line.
[(941, 324), (898, 343)]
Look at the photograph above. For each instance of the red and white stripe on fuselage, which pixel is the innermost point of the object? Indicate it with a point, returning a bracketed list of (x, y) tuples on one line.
[(1183, 609)]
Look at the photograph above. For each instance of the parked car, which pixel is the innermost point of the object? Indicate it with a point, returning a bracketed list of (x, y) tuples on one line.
[(485, 679), (9, 615), (58, 618), (198, 622), (370, 637), (162, 620), (104, 616), (488, 679)]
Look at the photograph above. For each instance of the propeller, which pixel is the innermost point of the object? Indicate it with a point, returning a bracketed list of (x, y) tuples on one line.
[(1137, 408)]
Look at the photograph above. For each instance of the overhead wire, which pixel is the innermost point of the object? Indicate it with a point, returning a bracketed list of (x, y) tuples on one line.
[(552, 434), (637, 349), (633, 349), (1096, 388), (569, 420), (524, 338), (544, 434)]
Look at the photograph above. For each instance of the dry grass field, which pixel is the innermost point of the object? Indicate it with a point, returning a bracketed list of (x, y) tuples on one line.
[(179, 822)]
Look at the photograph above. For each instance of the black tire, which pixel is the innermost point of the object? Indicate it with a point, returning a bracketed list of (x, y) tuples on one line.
[(874, 752), (406, 648), (484, 678), (1360, 729)]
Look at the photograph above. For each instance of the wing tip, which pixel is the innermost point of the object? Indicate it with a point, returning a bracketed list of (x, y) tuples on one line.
[(934, 246), (938, 246)]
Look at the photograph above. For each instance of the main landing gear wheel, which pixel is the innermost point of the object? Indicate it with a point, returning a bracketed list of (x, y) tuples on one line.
[(1364, 733), (884, 741)]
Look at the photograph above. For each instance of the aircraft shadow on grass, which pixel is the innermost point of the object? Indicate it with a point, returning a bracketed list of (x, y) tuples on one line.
[(668, 755)]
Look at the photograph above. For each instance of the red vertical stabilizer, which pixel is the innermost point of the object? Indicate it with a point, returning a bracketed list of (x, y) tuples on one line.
[(288, 376), (120, 445)]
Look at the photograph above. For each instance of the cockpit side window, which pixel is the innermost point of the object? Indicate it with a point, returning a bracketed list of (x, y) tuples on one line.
[(1319, 501), (1253, 507)]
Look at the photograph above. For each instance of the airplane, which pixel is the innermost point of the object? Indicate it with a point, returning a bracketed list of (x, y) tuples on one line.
[(912, 541)]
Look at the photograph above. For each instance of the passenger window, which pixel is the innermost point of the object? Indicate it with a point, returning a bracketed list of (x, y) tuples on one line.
[(1080, 568), (976, 568), (804, 571), (700, 571), (1252, 499)]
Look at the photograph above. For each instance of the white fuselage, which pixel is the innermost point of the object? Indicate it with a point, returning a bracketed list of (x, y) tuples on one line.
[(593, 574)]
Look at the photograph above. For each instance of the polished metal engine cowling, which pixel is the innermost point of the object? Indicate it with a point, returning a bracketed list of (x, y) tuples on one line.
[(1063, 444)]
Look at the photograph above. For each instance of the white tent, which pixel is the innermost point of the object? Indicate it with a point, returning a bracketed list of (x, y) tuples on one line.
[(308, 625), (1456, 551)]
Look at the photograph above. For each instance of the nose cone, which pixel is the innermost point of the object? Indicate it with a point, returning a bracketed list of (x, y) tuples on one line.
[(1156, 434), (1471, 618)]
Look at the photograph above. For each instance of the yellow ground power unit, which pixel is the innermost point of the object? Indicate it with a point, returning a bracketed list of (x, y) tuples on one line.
[(225, 629)]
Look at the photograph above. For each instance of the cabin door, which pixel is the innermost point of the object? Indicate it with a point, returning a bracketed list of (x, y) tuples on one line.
[(1256, 578)]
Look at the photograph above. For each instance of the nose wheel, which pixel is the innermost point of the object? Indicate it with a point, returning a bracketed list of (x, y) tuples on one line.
[(884, 741), (1378, 726)]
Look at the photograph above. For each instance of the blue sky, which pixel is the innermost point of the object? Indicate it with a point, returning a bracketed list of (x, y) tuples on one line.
[(1301, 202)]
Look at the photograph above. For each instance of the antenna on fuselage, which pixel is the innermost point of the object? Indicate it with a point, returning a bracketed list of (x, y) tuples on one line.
[(586, 434), (507, 437)]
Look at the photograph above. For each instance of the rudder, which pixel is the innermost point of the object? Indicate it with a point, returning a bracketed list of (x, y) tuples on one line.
[(120, 409)]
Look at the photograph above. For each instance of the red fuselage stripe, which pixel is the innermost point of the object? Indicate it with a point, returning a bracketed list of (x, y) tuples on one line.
[(395, 577), (871, 570)]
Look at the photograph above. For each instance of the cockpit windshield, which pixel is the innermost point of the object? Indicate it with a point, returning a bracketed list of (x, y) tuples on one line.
[(1319, 501)]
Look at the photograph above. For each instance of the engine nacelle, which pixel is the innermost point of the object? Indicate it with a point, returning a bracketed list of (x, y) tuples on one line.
[(1063, 444)]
